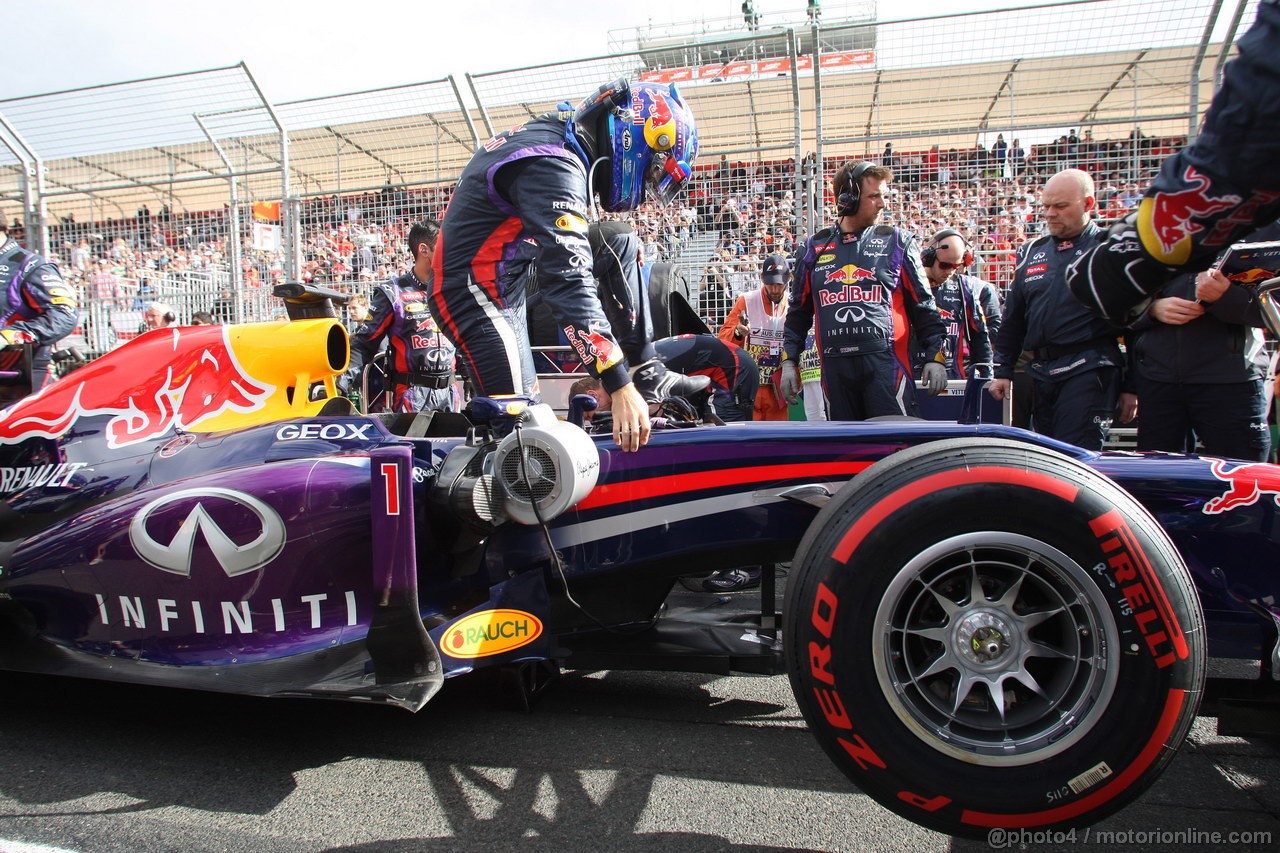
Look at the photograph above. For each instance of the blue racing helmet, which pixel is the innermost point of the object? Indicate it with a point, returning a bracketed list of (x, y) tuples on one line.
[(647, 133)]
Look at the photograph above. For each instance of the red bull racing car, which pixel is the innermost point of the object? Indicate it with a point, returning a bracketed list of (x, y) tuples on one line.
[(983, 628)]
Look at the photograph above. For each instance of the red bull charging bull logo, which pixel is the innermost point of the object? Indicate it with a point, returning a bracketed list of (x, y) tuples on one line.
[(855, 285), (1166, 220), (1247, 483), (183, 377), (591, 345)]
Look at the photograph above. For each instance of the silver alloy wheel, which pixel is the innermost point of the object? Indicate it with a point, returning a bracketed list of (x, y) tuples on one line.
[(996, 648)]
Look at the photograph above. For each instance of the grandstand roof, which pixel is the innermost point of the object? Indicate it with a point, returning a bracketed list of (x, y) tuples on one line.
[(107, 150)]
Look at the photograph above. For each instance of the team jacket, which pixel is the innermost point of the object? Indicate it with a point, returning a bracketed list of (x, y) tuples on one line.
[(34, 298), (1222, 346), (419, 354), (1041, 315), (967, 345), (522, 199), (862, 293)]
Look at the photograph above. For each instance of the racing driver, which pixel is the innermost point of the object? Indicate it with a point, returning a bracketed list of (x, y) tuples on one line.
[(1223, 185), (521, 207), (36, 306)]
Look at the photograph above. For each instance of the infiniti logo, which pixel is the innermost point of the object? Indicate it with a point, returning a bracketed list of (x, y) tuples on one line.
[(850, 314), (235, 559)]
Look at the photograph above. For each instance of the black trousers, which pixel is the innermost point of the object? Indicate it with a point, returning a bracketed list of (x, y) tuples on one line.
[(1230, 420), (1078, 408)]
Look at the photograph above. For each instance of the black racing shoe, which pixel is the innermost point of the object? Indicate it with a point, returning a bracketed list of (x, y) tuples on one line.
[(655, 382), (733, 580), (1116, 278)]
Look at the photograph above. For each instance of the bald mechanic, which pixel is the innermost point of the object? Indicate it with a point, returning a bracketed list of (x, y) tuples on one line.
[(1076, 361)]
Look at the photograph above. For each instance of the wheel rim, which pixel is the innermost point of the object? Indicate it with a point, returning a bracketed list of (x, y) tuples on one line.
[(993, 648)]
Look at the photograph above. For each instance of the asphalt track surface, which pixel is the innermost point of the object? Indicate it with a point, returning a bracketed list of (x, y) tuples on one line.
[(613, 761)]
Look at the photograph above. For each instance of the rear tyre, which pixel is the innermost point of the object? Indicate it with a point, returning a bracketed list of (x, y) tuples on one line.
[(983, 633)]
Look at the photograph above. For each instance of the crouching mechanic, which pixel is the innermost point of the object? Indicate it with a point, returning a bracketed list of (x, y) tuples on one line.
[(36, 306), (522, 201), (863, 289), (733, 373), (420, 359)]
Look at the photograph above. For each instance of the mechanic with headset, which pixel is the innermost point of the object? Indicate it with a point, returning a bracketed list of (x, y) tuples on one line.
[(1223, 185), (755, 324), (420, 360), (523, 200), (863, 289), (1076, 365), (36, 306), (156, 315), (965, 303)]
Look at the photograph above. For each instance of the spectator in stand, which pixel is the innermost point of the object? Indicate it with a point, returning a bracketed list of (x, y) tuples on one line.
[(755, 323), (1000, 154)]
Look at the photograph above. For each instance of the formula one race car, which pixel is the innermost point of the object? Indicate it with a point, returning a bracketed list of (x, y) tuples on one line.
[(982, 627)]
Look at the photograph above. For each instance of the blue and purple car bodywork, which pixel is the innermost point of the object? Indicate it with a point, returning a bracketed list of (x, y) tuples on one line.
[(198, 509)]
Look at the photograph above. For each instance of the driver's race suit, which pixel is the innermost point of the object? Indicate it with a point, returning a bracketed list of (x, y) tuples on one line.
[(419, 358), (864, 294), (36, 301), (1208, 195), (735, 378), (521, 200)]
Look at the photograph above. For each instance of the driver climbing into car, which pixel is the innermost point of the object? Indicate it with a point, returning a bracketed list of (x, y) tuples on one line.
[(36, 306), (523, 201)]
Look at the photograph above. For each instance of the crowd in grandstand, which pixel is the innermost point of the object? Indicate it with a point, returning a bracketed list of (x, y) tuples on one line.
[(351, 241)]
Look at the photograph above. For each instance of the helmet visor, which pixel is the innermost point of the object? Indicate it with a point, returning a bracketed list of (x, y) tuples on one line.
[(666, 177)]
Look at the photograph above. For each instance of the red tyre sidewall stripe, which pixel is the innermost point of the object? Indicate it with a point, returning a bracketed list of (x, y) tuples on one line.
[(945, 480), (1173, 704)]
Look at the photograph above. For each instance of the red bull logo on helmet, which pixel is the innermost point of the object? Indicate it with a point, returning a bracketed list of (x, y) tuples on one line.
[(144, 396), (1247, 482), (1166, 220)]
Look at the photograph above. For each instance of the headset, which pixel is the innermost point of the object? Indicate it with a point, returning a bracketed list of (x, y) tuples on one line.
[(930, 253), (847, 202), (167, 317)]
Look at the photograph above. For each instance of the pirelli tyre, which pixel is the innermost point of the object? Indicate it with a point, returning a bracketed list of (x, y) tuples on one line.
[(983, 633)]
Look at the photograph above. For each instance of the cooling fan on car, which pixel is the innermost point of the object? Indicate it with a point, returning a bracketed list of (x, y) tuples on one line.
[(544, 466)]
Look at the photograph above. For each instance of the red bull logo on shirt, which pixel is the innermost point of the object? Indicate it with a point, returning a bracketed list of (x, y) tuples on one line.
[(852, 288), (1166, 220), (849, 274)]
